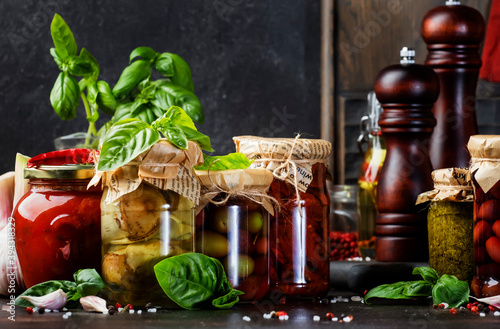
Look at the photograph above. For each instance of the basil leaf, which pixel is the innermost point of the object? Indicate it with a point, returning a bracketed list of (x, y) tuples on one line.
[(182, 72), (94, 114), (191, 280), (419, 288), (105, 98), (448, 289), (169, 94), (225, 162), (45, 288), (87, 56), (64, 96), (390, 291), (79, 66), (88, 281), (123, 111), (428, 274), (131, 76), (59, 61), (176, 136), (146, 114), (92, 91), (63, 38), (179, 117), (227, 301), (165, 65), (144, 52), (195, 136), (124, 141)]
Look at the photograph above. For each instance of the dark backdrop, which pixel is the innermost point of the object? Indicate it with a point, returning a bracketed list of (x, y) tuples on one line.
[(255, 64)]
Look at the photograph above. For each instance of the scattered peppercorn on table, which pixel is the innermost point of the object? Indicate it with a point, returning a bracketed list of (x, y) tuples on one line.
[(339, 307)]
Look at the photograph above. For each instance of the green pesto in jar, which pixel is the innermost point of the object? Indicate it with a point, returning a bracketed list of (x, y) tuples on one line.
[(451, 248)]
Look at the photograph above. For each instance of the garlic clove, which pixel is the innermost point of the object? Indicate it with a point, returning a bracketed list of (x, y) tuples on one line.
[(54, 301), (93, 304)]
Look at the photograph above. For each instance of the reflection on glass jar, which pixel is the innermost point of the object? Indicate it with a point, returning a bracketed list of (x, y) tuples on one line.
[(138, 230), (299, 238), (58, 224), (237, 235)]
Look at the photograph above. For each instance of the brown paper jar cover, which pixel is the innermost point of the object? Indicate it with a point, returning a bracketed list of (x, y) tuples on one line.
[(450, 184), (485, 160)]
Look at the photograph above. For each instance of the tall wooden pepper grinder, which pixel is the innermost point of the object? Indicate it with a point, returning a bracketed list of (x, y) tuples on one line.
[(453, 34), (407, 92)]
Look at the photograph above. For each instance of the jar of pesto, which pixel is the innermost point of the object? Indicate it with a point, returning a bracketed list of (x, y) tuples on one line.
[(450, 223)]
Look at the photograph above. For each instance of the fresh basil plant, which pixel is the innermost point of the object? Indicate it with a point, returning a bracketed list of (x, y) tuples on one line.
[(196, 281), (445, 289), (87, 283), (128, 138)]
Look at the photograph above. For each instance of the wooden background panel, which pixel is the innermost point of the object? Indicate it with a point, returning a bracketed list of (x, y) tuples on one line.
[(369, 35)]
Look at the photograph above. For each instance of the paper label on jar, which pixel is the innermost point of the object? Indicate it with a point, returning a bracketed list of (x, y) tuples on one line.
[(287, 158), (164, 166)]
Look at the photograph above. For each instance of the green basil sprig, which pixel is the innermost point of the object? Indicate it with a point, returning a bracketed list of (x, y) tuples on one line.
[(196, 281), (128, 138), (225, 162), (87, 283), (445, 289), (66, 93)]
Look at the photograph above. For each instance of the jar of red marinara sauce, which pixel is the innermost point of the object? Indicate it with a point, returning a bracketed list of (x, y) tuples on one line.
[(58, 228), (485, 175), (299, 231)]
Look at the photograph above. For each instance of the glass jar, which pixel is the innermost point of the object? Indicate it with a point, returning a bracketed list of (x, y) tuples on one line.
[(300, 265), (58, 229), (237, 234), (373, 159), (140, 229), (343, 222), (485, 175)]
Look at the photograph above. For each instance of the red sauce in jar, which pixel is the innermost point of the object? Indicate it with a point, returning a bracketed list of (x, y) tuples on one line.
[(58, 229)]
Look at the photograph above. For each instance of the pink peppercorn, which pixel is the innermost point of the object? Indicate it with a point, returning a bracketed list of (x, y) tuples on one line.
[(474, 309), (329, 316), (29, 310), (453, 311), (491, 307)]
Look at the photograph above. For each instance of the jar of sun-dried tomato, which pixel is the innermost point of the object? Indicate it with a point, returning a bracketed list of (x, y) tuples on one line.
[(58, 230), (485, 172), (299, 231)]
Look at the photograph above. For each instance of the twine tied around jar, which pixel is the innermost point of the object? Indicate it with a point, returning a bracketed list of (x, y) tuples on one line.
[(256, 195)]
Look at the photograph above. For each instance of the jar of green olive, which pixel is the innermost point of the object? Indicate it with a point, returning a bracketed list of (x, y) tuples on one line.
[(450, 223)]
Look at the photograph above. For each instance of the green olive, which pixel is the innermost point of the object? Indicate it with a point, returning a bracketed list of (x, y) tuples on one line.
[(241, 266), (224, 219), (212, 244), (255, 222)]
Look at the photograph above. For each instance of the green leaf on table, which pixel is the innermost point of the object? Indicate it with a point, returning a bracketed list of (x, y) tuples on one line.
[(124, 141), (65, 96), (88, 282), (63, 38), (418, 288), (428, 274), (131, 76), (389, 291), (193, 281), (225, 162), (144, 52), (448, 289), (46, 288)]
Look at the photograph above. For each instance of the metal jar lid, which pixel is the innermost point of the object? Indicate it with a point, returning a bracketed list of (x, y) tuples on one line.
[(70, 171)]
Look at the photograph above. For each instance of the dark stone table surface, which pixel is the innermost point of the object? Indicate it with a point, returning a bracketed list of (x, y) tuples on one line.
[(300, 313)]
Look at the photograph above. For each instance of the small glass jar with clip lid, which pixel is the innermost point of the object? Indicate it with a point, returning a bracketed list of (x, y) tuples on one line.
[(450, 223), (58, 230)]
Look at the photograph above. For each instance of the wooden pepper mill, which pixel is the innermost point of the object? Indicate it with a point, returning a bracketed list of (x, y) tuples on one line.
[(407, 93), (453, 34)]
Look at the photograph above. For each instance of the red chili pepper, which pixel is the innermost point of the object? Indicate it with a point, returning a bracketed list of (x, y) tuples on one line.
[(58, 158)]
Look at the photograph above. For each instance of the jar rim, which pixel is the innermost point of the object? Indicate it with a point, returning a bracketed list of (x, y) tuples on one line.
[(69, 171)]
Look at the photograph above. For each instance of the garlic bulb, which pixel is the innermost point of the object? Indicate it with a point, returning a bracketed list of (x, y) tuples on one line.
[(53, 301), (93, 304)]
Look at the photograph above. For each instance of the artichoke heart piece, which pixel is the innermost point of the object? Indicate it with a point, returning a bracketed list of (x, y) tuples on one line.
[(177, 229), (140, 212)]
